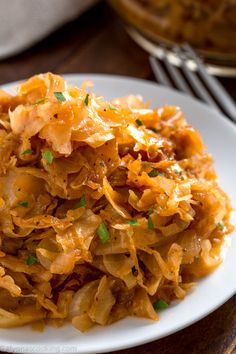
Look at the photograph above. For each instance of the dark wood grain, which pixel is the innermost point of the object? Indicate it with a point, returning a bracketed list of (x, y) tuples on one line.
[(97, 42)]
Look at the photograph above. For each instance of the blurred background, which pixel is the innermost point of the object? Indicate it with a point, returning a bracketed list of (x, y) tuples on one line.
[(115, 36)]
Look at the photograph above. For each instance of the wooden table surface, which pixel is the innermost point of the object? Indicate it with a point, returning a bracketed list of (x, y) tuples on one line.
[(97, 43)]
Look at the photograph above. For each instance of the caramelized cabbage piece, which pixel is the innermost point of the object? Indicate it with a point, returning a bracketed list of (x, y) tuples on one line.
[(105, 207)]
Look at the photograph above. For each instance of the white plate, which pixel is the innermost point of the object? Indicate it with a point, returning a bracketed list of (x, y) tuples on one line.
[(220, 138)]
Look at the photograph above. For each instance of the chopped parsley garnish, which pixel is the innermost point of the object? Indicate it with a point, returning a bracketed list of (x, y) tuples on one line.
[(112, 107), (221, 225), (133, 222), (86, 100), (27, 152), (24, 203), (155, 173), (139, 122), (150, 223), (103, 233), (31, 260), (59, 96), (48, 156), (81, 203), (160, 305), (150, 211), (155, 130), (40, 101)]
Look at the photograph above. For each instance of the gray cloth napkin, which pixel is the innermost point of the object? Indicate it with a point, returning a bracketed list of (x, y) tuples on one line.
[(24, 22)]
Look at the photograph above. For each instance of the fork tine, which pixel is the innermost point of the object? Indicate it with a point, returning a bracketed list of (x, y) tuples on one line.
[(176, 77), (159, 72), (195, 82), (213, 84)]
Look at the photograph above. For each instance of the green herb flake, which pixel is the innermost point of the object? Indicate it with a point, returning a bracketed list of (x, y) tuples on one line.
[(86, 100), (40, 101), (160, 305), (103, 233), (24, 204), (112, 107), (155, 130), (150, 211), (150, 223), (59, 96), (155, 173), (27, 152), (221, 225), (31, 260), (48, 156), (133, 222), (81, 203), (139, 122)]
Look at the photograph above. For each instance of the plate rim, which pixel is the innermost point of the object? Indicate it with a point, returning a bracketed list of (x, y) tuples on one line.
[(133, 342), (87, 75)]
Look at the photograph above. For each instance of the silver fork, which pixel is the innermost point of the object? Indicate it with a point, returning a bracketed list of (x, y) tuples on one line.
[(198, 83)]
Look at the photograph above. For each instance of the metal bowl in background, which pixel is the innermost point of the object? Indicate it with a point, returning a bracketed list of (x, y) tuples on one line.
[(209, 26)]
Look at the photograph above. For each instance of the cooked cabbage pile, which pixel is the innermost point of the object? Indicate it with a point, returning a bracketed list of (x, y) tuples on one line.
[(107, 209)]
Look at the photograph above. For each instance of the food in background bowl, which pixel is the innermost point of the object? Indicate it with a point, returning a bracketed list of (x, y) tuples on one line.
[(207, 25), (108, 209)]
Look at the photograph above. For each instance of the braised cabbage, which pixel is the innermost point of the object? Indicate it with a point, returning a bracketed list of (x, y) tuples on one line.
[(107, 209)]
